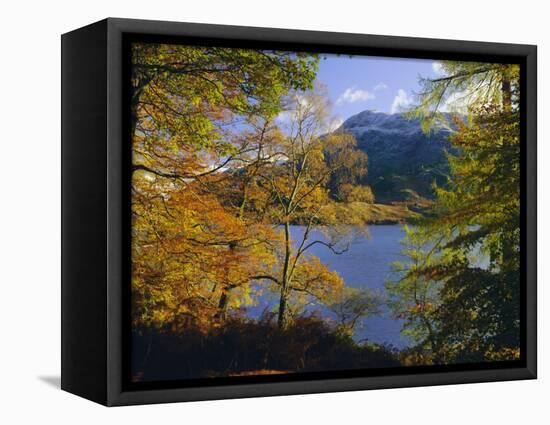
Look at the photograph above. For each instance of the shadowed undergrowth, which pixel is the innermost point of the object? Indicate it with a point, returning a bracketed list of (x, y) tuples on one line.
[(248, 347)]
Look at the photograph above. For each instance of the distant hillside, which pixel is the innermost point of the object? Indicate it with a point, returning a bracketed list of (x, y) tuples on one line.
[(403, 160)]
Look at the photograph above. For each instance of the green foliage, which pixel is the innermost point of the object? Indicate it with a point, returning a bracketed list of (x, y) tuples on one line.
[(186, 100), (463, 87), (213, 172), (194, 255), (459, 290), (414, 294), (217, 182)]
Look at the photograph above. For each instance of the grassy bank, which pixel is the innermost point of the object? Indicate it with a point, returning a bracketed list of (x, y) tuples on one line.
[(353, 212)]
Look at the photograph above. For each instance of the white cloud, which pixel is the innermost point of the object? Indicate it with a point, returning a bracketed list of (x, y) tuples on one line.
[(437, 67), (380, 86), (298, 102), (336, 123), (400, 101), (303, 101), (283, 117), (458, 102), (352, 95)]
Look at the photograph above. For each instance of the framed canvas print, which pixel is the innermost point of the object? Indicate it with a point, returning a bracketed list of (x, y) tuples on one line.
[(252, 212)]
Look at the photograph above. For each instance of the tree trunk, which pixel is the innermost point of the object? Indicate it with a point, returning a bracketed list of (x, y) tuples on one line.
[(138, 86), (245, 199), (433, 342), (506, 89), (224, 297), (222, 305), (282, 319)]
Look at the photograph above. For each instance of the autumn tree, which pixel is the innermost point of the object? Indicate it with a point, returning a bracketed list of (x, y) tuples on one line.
[(297, 182), (190, 255), (348, 192), (191, 249), (186, 101)]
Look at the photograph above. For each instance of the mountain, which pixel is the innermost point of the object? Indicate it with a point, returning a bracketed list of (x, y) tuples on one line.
[(403, 160)]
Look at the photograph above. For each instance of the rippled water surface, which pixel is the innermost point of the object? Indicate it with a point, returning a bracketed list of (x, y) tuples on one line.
[(367, 264)]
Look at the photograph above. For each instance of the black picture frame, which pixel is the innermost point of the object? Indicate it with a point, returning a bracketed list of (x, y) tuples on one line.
[(95, 211)]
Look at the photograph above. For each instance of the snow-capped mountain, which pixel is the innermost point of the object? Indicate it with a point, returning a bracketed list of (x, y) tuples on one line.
[(401, 156)]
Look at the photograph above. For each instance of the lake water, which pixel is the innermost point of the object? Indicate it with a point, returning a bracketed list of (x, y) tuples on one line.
[(367, 264)]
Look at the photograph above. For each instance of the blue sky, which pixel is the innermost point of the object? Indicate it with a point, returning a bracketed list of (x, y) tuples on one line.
[(365, 82)]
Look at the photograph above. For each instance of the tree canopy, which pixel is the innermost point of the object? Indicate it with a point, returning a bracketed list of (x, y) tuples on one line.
[(238, 178), (218, 180), (459, 291)]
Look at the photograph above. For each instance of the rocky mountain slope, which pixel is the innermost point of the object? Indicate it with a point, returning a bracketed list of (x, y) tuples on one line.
[(403, 160)]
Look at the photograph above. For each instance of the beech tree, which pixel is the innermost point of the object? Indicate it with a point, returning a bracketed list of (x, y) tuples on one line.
[(190, 255), (186, 101), (190, 249)]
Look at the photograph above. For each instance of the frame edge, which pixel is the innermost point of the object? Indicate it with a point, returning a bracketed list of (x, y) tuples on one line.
[(432, 47)]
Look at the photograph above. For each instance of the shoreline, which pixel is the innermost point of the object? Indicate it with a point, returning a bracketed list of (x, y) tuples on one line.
[(372, 214)]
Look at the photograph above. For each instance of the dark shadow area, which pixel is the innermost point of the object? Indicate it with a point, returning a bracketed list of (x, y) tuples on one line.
[(54, 381), (247, 347)]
